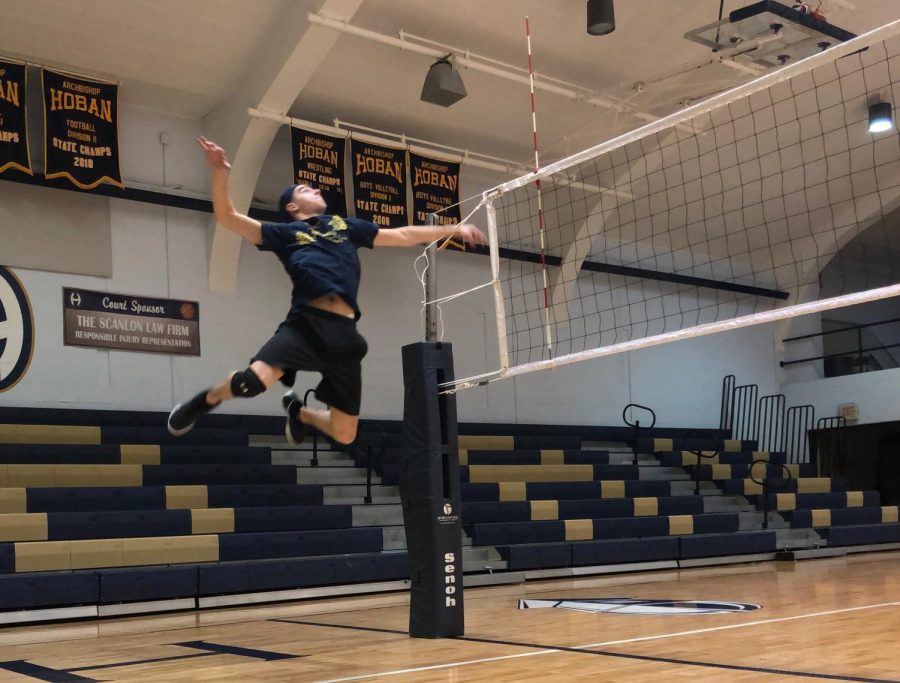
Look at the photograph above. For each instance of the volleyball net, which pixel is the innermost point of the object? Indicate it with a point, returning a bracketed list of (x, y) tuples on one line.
[(720, 216)]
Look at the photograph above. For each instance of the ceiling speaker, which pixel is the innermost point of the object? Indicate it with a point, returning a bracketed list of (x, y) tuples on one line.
[(443, 84)]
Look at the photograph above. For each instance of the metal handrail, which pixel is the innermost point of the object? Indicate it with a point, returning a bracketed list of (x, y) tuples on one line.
[(728, 383), (744, 421), (836, 422), (843, 329), (766, 484), (701, 454), (637, 427), (315, 457), (857, 352), (838, 355), (367, 499)]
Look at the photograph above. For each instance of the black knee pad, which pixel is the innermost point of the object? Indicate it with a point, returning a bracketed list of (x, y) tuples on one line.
[(246, 384)]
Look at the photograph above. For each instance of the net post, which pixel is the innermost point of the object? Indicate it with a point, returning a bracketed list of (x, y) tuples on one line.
[(431, 286), (499, 306), (430, 493)]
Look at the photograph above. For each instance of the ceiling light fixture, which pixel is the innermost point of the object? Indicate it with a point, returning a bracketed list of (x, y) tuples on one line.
[(601, 18), (881, 117)]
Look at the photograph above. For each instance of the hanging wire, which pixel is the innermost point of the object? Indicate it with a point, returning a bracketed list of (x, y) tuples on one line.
[(421, 277)]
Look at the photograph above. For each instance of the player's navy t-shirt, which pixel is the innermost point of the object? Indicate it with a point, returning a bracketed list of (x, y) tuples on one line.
[(319, 254)]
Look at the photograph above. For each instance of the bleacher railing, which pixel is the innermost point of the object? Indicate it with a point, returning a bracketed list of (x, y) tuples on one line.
[(725, 416), (767, 420), (702, 453), (636, 425), (854, 360), (767, 485)]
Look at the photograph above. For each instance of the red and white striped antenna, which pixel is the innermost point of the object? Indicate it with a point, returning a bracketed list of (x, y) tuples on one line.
[(537, 183)]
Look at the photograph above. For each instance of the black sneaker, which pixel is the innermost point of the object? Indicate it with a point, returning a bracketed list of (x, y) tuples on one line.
[(294, 429), (184, 415)]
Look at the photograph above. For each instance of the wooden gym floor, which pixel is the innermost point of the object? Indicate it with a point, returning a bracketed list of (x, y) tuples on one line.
[(835, 619)]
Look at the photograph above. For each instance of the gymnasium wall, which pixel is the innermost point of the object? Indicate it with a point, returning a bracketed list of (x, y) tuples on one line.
[(874, 392), (163, 252)]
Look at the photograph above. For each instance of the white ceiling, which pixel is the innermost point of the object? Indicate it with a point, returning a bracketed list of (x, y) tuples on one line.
[(186, 57)]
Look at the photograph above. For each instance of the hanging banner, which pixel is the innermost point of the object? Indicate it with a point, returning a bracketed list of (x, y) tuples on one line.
[(80, 130), (435, 189), (130, 323), (379, 184), (319, 161), (13, 137)]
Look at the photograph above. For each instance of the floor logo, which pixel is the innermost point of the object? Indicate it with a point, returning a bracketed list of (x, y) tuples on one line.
[(16, 330), (634, 606)]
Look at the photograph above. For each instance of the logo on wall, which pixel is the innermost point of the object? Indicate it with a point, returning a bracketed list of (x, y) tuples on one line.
[(16, 330), (643, 607)]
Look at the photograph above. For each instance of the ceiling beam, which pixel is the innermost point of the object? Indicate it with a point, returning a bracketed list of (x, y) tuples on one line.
[(272, 81)]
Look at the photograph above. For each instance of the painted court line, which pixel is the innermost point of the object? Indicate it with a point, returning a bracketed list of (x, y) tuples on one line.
[(468, 662), (744, 625)]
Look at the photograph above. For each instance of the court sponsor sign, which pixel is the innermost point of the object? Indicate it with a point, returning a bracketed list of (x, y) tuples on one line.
[(130, 323)]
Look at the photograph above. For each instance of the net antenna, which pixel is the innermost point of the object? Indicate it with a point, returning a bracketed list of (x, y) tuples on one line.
[(717, 217), (537, 184)]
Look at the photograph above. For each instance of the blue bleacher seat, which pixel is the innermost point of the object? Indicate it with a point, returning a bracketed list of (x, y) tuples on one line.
[(7, 558), (260, 575), (733, 543), (618, 551), (293, 518), (159, 435), (514, 511), (568, 490), (863, 534), (223, 454), (159, 475), (235, 495), (49, 589), (59, 454), (255, 546), (631, 527), (507, 533), (548, 442), (147, 583), (62, 526), (74, 499), (537, 555), (803, 519)]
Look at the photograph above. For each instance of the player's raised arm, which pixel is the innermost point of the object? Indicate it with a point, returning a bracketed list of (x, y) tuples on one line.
[(413, 235), (226, 215)]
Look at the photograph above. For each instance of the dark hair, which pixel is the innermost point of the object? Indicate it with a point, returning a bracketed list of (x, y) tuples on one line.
[(287, 196)]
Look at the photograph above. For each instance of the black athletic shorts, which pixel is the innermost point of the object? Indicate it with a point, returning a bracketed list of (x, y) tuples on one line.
[(324, 342)]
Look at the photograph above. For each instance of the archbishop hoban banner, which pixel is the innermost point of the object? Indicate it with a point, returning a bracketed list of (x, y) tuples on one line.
[(81, 140), (13, 137), (130, 323), (319, 161), (435, 189), (379, 184)]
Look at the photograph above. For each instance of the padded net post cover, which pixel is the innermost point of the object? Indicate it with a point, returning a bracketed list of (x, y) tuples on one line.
[(430, 493)]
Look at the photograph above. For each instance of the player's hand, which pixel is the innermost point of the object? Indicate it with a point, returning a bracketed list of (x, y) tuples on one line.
[(215, 155), (471, 234)]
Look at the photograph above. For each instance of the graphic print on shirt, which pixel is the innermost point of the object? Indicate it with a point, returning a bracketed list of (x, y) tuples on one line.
[(336, 232)]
